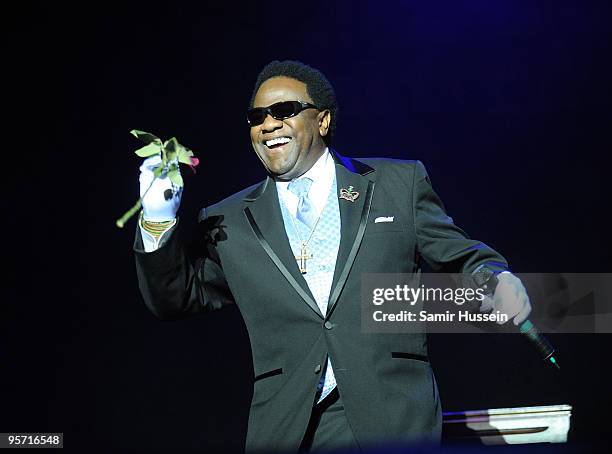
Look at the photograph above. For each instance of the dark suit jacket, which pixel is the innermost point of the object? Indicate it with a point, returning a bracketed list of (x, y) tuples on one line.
[(245, 257)]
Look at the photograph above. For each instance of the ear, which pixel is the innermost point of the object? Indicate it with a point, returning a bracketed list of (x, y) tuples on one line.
[(324, 118)]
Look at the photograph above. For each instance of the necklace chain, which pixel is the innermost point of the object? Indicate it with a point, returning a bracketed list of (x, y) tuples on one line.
[(314, 227), (304, 252)]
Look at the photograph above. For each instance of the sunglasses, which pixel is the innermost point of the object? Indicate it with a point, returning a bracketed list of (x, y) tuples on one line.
[(278, 111)]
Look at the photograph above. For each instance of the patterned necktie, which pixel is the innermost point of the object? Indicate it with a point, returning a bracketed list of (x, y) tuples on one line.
[(306, 211)]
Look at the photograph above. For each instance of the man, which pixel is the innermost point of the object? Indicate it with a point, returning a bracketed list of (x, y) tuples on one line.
[(290, 252)]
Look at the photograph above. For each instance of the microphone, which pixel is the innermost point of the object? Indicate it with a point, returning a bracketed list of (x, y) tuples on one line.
[(486, 279), (540, 343)]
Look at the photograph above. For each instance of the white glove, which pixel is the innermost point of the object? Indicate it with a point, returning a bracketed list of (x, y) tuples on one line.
[(155, 205), (510, 298)]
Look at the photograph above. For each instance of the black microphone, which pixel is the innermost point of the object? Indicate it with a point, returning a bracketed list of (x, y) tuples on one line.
[(486, 279)]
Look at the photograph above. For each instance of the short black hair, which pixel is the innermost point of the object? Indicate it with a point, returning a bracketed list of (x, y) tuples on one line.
[(317, 87)]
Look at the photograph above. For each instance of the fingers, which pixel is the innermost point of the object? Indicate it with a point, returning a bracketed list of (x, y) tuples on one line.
[(155, 190), (160, 198), (150, 163), (487, 304), (146, 172), (151, 185), (524, 313), (511, 298), (155, 204), (510, 305)]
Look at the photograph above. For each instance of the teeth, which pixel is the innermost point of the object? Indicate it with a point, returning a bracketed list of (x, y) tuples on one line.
[(277, 141)]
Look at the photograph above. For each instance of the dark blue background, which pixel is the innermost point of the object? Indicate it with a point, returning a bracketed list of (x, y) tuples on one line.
[(507, 103)]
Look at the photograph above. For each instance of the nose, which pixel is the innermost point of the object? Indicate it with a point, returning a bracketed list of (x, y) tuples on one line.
[(271, 124)]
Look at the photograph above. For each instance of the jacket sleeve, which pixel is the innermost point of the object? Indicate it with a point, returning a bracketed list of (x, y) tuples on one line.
[(443, 245), (179, 280)]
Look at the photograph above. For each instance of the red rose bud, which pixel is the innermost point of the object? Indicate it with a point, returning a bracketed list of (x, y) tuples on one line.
[(194, 163)]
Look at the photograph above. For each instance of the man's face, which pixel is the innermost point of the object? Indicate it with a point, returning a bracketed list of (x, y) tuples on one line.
[(305, 130)]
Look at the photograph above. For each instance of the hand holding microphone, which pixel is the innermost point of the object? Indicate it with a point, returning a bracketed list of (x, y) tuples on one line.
[(509, 297), (506, 293)]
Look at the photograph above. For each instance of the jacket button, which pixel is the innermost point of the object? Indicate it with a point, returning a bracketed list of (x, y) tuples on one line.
[(328, 325), (317, 368)]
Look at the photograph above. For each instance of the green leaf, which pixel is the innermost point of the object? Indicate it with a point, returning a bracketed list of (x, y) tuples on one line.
[(171, 144), (148, 150), (164, 156), (175, 177), (184, 154), (157, 171), (170, 155), (146, 137)]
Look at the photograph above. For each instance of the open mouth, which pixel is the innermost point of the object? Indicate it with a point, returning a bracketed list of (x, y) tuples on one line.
[(277, 142)]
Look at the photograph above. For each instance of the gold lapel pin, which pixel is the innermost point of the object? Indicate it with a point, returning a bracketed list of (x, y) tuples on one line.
[(349, 194)]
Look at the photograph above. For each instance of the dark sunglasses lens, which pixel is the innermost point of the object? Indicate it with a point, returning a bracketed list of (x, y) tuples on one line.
[(283, 110), (280, 111), (256, 116)]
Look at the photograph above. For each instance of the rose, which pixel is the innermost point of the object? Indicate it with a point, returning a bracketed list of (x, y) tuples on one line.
[(173, 154)]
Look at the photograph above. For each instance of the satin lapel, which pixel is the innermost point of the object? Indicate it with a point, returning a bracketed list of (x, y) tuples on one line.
[(264, 216), (353, 218)]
